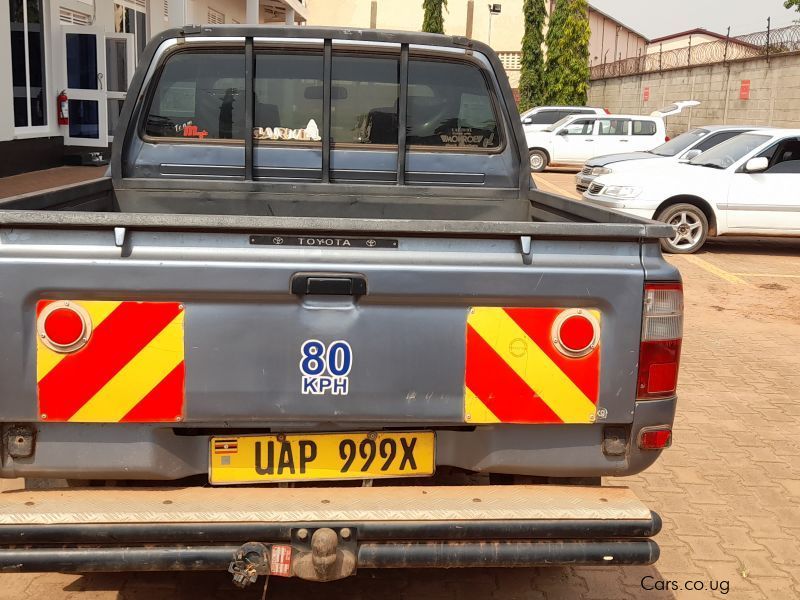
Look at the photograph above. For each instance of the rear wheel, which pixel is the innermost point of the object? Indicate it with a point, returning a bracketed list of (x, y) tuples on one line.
[(538, 160), (691, 228)]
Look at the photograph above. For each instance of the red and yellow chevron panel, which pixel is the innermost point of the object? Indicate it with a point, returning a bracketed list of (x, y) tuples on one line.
[(129, 366), (515, 373)]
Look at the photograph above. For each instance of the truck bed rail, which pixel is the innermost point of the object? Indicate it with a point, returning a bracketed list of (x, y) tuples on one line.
[(99, 220)]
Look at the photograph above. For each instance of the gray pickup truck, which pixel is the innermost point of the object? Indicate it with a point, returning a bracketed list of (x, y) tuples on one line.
[(319, 319)]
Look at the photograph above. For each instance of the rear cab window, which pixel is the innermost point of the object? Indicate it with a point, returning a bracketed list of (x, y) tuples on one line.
[(365, 95), (199, 98), (449, 107)]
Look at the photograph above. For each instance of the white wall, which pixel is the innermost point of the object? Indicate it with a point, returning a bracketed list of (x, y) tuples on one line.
[(6, 99)]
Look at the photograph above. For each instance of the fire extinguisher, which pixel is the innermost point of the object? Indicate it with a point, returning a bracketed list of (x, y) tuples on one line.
[(63, 108)]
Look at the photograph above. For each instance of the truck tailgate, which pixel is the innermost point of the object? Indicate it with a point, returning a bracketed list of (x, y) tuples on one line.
[(277, 328)]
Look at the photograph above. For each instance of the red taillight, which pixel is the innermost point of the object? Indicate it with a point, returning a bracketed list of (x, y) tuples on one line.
[(655, 438), (576, 332), (608, 112), (666, 138), (64, 327), (660, 349)]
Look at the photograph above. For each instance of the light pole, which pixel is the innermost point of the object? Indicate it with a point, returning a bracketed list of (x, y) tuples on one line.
[(494, 9)]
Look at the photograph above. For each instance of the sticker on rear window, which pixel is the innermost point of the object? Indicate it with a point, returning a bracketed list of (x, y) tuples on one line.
[(324, 368)]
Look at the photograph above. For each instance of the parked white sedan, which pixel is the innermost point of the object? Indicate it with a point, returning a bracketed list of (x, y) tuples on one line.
[(748, 185)]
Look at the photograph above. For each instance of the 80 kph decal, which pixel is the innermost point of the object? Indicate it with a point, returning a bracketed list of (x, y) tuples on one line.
[(325, 368)]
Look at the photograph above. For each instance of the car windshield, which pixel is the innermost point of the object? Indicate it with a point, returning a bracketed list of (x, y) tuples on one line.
[(729, 152), (680, 143), (558, 124)]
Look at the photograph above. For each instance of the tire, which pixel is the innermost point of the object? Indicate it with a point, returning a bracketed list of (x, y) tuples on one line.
[(538, 160), (691, 232)]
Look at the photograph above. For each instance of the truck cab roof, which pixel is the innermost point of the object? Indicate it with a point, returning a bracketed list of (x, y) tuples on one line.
[(331, 110)]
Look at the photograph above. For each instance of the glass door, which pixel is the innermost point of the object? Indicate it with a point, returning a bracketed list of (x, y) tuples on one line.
[(120, 64), (84, 66)]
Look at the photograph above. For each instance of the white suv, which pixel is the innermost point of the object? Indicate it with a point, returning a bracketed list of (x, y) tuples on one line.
[(575, 139)]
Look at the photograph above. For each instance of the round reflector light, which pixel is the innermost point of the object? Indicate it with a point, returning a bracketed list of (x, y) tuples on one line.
[(64, 327), (576, 332)]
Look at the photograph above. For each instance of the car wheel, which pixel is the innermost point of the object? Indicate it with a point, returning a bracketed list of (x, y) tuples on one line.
[(691, 228), (538, 160)]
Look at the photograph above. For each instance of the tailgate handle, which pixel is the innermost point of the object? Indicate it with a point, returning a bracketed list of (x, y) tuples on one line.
[(329, 284)]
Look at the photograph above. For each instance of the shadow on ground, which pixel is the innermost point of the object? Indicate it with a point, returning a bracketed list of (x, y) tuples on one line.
[(472, 584), (754, 245)]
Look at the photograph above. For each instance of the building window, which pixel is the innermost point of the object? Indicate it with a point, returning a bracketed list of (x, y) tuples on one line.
[(27, 63), (131, 17), (215, 17), (511, 61), (73, 17)]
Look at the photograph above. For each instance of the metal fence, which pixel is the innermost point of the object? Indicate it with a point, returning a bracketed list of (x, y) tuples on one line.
[(760, 44)]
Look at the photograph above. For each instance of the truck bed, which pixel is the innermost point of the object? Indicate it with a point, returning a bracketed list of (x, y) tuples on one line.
[(96, 204)]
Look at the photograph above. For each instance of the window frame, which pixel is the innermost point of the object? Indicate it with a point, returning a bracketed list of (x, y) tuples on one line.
[(653, 123), (151, 92), (493, 100), (571, 123), (547, 111), (28, 131), (360, 52), (238, 47), (628, 127), (775, 146), (301, 51)]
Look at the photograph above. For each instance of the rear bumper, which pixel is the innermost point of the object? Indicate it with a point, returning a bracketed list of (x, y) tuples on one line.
[(201, 528), (390, 555), (157, 452)]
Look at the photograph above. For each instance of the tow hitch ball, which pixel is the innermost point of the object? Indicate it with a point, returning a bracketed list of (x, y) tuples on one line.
[(249, 561), (315, 555)]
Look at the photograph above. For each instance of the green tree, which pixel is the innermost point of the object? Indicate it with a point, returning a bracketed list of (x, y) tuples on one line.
[(433, 21), (567, 67), (792, 4), (531, 80)]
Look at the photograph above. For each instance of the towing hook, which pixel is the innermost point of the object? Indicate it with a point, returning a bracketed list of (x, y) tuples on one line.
[(249, 561), (327, 559)]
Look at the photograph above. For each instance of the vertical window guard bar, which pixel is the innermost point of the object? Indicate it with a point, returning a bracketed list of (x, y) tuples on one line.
[(249, 101), (402, 117), (326, 111)]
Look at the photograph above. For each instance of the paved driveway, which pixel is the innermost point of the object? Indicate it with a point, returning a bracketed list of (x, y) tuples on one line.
[(728, 490)]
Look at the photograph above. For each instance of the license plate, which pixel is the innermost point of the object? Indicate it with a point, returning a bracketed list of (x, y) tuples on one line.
[(320, 457)]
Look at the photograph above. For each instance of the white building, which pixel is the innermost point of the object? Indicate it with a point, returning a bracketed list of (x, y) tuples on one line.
[(89, 49)]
